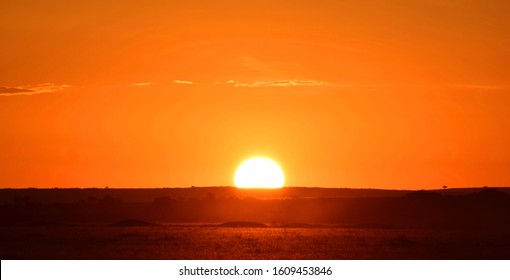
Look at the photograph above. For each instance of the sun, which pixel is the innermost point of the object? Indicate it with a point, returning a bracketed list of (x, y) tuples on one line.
[(259, 172)]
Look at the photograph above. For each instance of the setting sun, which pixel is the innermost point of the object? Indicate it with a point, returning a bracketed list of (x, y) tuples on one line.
[(259, 173)]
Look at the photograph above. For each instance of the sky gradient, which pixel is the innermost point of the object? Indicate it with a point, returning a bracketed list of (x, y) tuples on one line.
[(379, 94)]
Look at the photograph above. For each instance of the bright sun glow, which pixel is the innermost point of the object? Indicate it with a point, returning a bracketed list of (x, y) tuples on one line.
[(259, 173)]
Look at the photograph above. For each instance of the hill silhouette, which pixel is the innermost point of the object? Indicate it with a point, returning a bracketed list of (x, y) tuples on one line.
[(57, 195), (132, 223), (243, 224), (298, 207)]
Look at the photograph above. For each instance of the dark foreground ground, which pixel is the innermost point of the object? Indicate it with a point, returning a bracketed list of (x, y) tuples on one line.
[(213, 242), (288, 223)]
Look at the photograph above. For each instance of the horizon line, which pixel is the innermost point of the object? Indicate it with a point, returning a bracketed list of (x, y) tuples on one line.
[(234, 187)]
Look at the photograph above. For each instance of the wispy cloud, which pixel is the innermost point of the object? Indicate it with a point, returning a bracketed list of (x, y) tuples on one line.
[(32, 89), (278, 83), (13, 90), (142, 84), (183, 82)]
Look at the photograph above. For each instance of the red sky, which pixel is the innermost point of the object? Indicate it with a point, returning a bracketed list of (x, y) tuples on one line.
[(382, 94)]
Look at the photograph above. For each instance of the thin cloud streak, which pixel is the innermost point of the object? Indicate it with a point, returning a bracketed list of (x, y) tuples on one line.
[(11, 91), (142, 84), (183, 82), (278, 83), (32, 89)]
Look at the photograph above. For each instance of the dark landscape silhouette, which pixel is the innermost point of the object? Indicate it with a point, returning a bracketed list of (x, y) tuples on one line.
[(231, 223)]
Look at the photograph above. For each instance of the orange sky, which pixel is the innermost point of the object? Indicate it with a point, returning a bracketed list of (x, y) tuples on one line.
[(383, 94)]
